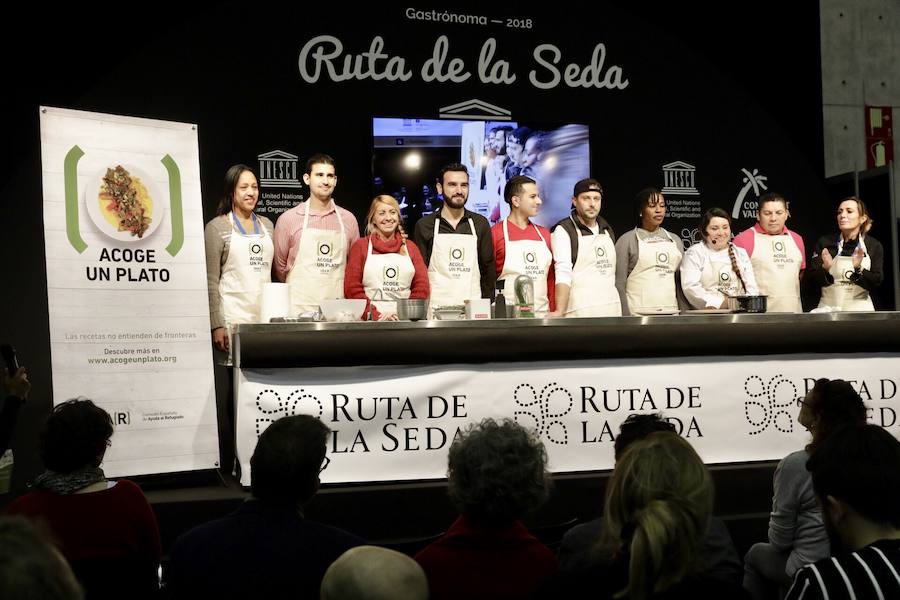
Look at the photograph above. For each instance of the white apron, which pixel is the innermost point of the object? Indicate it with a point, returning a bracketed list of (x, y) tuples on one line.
[(387, 277), (248, 266), (776, 263), (843, 294), (593, 292), (318, 271), (453, 271), (718, 275), (651, 284), (527, 257)]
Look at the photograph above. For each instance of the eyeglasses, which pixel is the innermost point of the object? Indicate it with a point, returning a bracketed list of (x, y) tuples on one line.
[(325, 464), (801, 402)]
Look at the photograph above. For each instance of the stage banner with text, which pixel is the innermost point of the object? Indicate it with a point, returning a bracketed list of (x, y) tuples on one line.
[(126, 285), (397, 423)]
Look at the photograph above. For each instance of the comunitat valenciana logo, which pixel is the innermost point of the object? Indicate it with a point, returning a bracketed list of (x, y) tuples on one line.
[(770, 403), (744, 207), (543, 410)]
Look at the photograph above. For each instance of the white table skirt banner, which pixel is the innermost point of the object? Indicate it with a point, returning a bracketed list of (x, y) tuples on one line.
[(397, 422), (126, 285)]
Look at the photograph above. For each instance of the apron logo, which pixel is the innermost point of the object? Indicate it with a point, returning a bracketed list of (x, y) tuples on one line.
[(724, 277), (847, 274), (256, 249), (662, 257), (601, 252), (390, 273), (779, 246), (457, 254), (325, 249), (529, 257)]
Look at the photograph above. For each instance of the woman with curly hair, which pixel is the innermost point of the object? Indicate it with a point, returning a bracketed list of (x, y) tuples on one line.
[(497, 473)]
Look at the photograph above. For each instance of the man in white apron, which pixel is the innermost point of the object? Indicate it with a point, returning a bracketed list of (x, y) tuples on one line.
[(456, 245), (776, 253), (521, 247), (584, 255), (312, 240)]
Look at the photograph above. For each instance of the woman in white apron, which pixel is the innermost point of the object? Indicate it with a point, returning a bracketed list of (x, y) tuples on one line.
[(849, 265), (715, 268), (384, 266), (647, 260), (776, 254), (239, 253)]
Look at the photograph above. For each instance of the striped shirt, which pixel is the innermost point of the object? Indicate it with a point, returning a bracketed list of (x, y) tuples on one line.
[(872, 573), (289, 229)]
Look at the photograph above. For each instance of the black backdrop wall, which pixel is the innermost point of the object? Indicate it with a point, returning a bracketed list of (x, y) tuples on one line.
[(730, 90)]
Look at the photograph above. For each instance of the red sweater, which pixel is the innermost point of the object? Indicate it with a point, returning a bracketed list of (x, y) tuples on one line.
[(472, 561), (516, 235), (356, 263)]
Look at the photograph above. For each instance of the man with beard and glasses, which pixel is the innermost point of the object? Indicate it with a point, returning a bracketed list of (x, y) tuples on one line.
[(456, 244), (856, 479), (584, 252)]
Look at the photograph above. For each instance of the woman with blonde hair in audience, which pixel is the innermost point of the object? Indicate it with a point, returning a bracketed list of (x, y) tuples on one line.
[(658, 505)]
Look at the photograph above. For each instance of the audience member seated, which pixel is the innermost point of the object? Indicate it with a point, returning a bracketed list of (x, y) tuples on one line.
[(17, 387), (581, 548), (856, 477), (796, 534), (373, 573), (497, 473), (106, 529), (658, 504), (267, 548), (30, 567)]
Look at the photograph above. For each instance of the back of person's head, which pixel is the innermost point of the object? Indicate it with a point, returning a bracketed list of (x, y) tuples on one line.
[(75, 436), (373, 573), (834, 403), (658, 504), (30, 568), (496, 471), (284, 468), (637, 427), (860, 465)]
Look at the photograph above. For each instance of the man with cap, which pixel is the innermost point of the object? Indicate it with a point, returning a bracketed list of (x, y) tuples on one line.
[(585, 256), (456, 244)]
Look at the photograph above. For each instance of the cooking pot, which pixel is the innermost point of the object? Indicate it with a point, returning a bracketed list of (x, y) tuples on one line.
[(412, 309), (748, 304)]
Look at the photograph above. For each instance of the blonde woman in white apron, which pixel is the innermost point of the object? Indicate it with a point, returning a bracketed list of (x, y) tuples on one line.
[(849, 265), (384, 266), (239, 253), (714, 268), (647, 260), (776, 253)]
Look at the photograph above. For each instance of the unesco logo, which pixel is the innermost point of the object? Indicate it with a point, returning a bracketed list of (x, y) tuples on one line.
[(779, 246), (545, 408), (457, 254), (390, 272), (662, 258), (769, 403), (325, 249), (256, 248), (529, 257), (272, 406)]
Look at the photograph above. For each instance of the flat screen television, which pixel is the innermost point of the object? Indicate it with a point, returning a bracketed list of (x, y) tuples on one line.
[(408, 154)]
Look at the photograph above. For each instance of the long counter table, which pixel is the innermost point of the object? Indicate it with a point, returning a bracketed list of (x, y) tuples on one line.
[(440, 342)]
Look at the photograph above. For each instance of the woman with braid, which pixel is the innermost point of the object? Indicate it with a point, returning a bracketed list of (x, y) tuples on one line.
[(384, 266), (715, 268)]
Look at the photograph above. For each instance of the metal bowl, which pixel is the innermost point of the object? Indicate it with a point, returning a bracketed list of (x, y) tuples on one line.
[(412, 309), (747, 304)]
